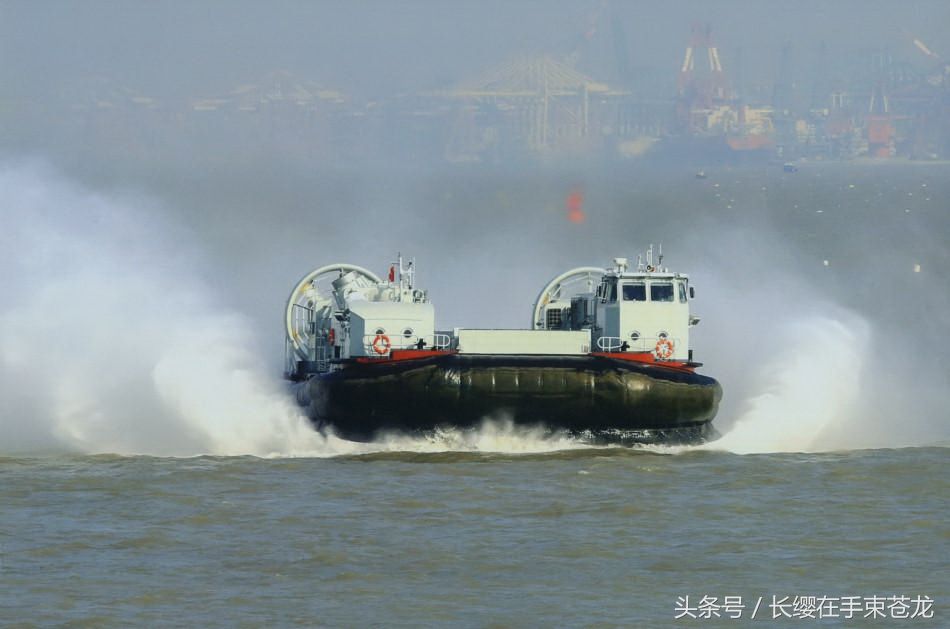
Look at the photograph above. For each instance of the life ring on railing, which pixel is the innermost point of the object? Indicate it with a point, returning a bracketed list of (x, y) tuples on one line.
[(331, 336), (381, 344), (664, 348)]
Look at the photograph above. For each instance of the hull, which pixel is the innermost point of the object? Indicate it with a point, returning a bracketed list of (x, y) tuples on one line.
[(598, 398)]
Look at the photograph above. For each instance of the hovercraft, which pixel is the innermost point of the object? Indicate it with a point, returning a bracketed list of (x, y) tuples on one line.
[(606, 359)]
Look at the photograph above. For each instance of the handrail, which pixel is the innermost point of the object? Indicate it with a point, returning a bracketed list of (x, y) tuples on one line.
[(400, 342), (609, 343), (641, 344)]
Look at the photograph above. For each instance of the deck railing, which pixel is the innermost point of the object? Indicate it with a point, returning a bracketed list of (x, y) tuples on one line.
[(639, 344), (382, 344)]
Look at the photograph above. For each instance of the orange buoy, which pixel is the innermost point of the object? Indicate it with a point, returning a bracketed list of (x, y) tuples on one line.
[(382, 344), (664, 348), (575, 207)]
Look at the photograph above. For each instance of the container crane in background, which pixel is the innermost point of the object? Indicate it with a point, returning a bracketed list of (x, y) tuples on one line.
[(941, 72), (703, 98)]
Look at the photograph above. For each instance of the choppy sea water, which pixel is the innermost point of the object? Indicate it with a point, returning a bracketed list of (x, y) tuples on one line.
[(578, 537)]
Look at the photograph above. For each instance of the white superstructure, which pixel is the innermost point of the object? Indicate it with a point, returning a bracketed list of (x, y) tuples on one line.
[(644, 309), (341, 311)]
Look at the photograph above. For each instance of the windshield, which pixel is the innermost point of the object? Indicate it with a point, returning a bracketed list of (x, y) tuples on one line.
[(661, 291), (635, 292)]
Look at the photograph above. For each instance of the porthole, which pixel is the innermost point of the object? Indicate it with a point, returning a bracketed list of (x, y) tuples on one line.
[(634, 336), (380, 331), (663, 334), (407, 333)]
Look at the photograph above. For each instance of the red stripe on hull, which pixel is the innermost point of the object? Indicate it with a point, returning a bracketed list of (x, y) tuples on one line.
[(647, 358), (404, 354)]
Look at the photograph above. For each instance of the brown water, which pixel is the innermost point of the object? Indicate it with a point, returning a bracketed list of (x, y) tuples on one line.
[(568, 538)]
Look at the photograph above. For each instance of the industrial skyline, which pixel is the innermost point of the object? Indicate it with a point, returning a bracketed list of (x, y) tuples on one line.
[(578, 82)]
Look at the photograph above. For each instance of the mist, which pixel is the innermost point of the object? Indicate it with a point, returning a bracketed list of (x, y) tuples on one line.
[(336, 84)]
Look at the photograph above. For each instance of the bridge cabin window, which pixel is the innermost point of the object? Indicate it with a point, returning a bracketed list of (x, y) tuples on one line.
[(661, 291), (553, 319), (635, 291), (682, 291)]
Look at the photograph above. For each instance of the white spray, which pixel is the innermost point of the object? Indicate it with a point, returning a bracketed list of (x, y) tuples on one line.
[(111, 343), (810, 383), (801, 373)]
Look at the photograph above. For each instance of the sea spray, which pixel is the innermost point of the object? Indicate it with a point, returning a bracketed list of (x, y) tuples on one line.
[(809, 384), (112, 341), (801, 368), (497, 434)]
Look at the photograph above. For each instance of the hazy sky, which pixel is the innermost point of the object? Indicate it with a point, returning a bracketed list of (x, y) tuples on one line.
[(376, 48)]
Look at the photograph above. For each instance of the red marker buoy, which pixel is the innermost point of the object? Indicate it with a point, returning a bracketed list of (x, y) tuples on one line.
[(575, 207)]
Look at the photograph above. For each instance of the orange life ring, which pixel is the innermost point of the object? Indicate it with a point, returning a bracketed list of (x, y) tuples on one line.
[(664, 348), (381, 344), (331, 336)]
